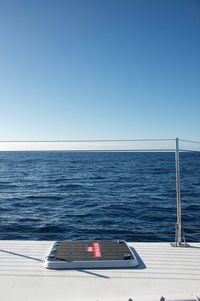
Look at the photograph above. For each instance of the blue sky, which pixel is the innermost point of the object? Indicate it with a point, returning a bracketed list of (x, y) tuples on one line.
[(99, 69)]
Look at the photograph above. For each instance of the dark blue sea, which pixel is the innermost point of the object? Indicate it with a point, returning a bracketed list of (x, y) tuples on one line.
[(97, 195)]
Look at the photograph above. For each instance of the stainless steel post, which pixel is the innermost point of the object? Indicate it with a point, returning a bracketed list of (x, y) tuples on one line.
[(178, 197), (179, 238)]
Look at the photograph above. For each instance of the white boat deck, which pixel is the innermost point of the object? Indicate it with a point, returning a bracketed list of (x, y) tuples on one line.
[(163, 270)]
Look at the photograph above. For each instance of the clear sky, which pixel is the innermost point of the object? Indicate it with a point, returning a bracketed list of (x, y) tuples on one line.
[(99, 69)]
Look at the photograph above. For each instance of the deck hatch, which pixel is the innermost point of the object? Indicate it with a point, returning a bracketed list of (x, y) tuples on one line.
[(90, 254)]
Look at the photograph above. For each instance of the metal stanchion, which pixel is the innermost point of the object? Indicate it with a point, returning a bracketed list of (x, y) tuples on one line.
[(179, 236)]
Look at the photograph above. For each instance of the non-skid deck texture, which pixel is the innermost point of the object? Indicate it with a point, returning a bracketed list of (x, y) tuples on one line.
[(162, 270)]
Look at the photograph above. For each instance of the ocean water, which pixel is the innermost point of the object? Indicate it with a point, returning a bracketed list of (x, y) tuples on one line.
[(97, 195)]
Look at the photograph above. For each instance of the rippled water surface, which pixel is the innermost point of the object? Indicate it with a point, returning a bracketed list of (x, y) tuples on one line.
[(101, 195)]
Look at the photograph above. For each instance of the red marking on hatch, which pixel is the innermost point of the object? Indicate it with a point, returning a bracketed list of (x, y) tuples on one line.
[(97, 250), (89, 249)]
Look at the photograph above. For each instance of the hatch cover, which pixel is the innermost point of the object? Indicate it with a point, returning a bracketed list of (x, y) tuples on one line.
[(90, 254)]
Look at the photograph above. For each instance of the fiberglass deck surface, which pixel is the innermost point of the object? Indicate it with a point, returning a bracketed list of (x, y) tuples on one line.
[(162, 270)]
